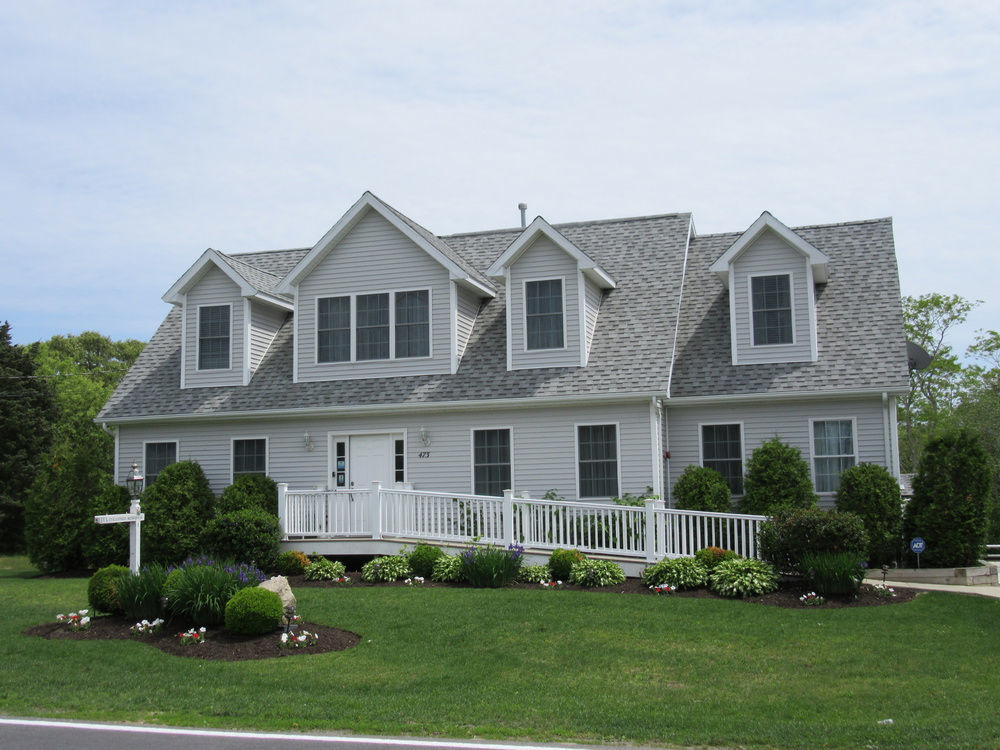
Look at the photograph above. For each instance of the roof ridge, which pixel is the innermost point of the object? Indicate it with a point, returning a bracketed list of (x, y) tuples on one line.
[(231, 259), (856, 222), (590, 222)]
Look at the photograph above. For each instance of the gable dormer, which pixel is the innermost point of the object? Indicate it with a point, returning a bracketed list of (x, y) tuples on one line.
[(230, 314), (553, 296), (771, 273), (381, 296)]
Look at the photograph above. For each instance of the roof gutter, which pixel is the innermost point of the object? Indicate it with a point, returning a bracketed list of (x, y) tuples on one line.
[(740, 398)]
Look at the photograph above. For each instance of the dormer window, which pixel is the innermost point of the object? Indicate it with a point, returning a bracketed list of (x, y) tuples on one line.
[(771, 297), (543, 311), (383, 323), (213, 337)]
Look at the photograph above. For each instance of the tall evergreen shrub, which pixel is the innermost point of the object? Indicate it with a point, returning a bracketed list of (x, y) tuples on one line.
[(250, 491), (177, 508), (950, 498), (777, 477), (702, 488), (873, 493)]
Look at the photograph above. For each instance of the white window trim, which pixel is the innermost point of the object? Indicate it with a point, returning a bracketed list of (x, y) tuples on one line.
[(392, 327), (743, 445), (791, 299), (232, 454), (197, 357), (331, 468), (524, 315), (576, 455), (472, 453), (812, 446), (177, 453)]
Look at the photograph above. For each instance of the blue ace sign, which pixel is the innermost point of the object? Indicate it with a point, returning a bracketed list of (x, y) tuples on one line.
[(917, 545)]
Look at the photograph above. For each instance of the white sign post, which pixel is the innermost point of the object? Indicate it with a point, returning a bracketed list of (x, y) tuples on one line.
[(134, 517)]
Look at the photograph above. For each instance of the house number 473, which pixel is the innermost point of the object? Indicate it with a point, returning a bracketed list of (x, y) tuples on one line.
[(424, 454)]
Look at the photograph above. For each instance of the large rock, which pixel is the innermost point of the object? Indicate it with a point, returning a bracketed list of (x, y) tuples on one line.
[(279, 585)]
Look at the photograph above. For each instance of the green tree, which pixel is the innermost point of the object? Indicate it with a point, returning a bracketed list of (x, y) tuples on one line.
[(27, 412)]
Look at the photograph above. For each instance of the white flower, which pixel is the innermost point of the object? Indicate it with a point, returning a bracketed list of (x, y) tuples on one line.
[(85, 620), (201, 629), (83, 611), (284, 637)]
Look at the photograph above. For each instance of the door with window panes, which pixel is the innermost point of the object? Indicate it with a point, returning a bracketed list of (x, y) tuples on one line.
[(358, 460)]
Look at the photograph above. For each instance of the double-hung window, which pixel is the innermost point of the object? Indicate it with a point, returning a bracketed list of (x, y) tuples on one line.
[(333, 329), (597, 449), (833, 452), (413, 327), (249, 456), (722, 450), (213, 337), (491, 462), (543, 314), (158, 457), (771, 297), (373, 326)]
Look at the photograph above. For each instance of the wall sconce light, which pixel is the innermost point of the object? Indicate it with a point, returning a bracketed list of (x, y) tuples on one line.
[(307, 439), (425, 439)]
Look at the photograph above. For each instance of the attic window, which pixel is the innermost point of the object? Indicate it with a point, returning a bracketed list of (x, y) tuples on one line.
[(213, 337), (771, 297), (543, 307)]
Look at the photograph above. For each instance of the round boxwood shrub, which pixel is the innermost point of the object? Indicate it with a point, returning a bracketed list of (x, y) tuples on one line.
[(794, 532), (593, 573), (561, 562), (949, 505), (743, 577), (249, 535), (177, 507), (250, 491), (102, 589), (777, 477), (254, 611), (422, 559), (292, 563), (701, 488), (873, 493), (682, 572)]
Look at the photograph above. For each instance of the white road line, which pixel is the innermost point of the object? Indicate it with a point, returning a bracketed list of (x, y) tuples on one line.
[(391, 741)]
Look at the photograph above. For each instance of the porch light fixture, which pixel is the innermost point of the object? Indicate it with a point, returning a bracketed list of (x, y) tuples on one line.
[(307, 439), (134, 483), (425, 439)]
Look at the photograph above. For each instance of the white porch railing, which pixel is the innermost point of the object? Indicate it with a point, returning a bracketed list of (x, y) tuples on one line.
[(644, 533)]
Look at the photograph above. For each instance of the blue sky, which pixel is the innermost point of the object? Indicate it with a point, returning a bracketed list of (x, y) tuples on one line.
[(136, 135)]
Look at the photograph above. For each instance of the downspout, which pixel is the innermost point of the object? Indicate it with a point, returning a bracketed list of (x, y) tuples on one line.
[(665, 457)]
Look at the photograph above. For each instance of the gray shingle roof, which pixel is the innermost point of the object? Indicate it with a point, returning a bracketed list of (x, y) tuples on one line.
[(861, 336), (258, 278)]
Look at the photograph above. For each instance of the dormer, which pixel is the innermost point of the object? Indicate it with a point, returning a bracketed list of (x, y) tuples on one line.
[(381, 296), (230, 314), (553, 297), (771, 273)]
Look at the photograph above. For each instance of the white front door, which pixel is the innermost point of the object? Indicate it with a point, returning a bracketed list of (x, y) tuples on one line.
[(358, 460)]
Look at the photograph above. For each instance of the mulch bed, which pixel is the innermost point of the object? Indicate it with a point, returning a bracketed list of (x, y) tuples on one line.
[(223, 646)]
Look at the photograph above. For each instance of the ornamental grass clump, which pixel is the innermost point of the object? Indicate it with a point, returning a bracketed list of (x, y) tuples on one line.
[(491, 567), (393, 568), (200, 594), (141, 596), (447, 569), (682, 572), (743, 577), (594, 573), (322, 569), (833, 573)]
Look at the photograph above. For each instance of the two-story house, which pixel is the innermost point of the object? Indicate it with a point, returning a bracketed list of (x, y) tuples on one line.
[(594, 358)]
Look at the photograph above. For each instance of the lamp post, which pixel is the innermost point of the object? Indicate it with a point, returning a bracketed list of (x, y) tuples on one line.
[(134, 485)]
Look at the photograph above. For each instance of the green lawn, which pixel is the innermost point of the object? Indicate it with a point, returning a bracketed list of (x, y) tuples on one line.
[(544, 665)]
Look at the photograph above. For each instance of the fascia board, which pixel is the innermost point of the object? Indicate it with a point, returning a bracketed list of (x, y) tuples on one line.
[(682, 401), (817, 258), (175, 295), (267, 299), (473, 286)]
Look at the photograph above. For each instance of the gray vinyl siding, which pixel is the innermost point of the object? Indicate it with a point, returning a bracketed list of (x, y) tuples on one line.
[(374, 257), (214, 288), (770, 255), (264, 323), (544, 446), (468, 309), (788, 420), (543, 260), (593, 295)]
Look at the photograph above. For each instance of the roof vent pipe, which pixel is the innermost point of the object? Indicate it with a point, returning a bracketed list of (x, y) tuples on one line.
[(524, 209)]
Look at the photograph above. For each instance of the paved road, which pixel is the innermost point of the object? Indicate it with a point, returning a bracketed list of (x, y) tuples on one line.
[(41, 734)]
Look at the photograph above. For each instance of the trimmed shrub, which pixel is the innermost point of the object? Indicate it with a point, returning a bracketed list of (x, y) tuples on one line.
[(833, 573), (777, 477), (491, 567), (140, 597), (200, 593), (561, 562), (107, 544), (534, 574), (682, 572), (873, 493), (701, 488), (594, 573), (249, 492), (448, 569), (712, 556), (743, 577), (322, 569), (950, 499), (292, 563), (249, 535), (102, 589), (177, 507), (394, 568), (254, 611), (422, 559), (794, 532)]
